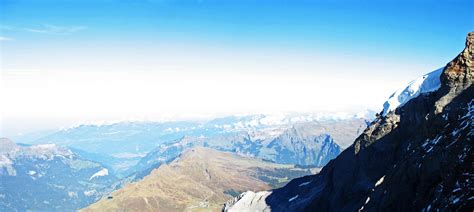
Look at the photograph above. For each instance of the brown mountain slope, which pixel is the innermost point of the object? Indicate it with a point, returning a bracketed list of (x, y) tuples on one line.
[(201, 179)]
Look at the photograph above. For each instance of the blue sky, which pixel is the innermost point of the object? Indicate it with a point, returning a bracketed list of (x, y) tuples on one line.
[(374, 45), (408, 25), (428, 30)]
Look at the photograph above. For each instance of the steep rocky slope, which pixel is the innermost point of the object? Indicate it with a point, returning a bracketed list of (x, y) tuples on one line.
[(414, 157), (200, 179)]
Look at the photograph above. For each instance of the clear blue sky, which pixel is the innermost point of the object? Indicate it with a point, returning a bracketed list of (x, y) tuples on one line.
[(383, 44), (394, 28)]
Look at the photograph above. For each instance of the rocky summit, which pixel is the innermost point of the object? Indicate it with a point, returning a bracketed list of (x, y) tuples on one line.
[(417, 157)]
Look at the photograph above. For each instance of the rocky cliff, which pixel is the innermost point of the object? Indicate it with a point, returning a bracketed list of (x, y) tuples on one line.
[(417, 157)]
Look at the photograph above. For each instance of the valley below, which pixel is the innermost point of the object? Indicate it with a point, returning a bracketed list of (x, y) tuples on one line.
[(171, 166), (199, 179)]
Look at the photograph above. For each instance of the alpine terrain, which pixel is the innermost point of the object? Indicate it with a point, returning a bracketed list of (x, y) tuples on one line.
[(199, 179), (415, 156), (60, 171), (48, 177), (320, 135)]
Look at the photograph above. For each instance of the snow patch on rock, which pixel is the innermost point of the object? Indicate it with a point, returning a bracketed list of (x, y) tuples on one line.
[(5, 161), (249, 201), (101, 173), (89, 193), (380, 181), (305, 183), (293, 198)]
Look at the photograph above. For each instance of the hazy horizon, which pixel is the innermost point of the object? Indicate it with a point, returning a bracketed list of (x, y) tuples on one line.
[(65, 62)]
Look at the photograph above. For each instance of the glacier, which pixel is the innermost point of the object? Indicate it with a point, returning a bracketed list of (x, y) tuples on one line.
[(425, 84)]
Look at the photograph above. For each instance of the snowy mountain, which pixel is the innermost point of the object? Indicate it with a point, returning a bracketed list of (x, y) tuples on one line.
[(417, 156), (48, 177), (139, 137)]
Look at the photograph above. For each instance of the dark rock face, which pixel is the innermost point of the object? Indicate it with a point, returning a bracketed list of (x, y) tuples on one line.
[(417, 158)]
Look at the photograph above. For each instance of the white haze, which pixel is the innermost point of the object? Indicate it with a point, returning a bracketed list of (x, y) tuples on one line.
[(34, 100)]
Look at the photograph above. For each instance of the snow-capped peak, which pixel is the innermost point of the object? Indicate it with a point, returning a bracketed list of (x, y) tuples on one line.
[(425, 84)]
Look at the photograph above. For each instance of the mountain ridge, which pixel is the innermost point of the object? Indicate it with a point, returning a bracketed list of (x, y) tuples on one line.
[(200, 178), (416, 157)]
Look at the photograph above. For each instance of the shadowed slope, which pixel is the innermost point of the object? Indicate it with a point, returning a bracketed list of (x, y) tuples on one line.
[(417, 157)]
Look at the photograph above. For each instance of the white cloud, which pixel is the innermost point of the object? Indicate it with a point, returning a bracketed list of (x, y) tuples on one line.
[(56, 30)]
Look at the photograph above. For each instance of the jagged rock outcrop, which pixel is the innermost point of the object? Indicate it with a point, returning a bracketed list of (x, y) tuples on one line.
[(417, 157), (296, 147), (457, 76)]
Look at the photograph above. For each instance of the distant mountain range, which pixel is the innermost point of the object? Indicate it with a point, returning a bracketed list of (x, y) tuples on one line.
[(48, 177), (78, 166), (137, 138), (122, 145), (304, 144), (416, 156)]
